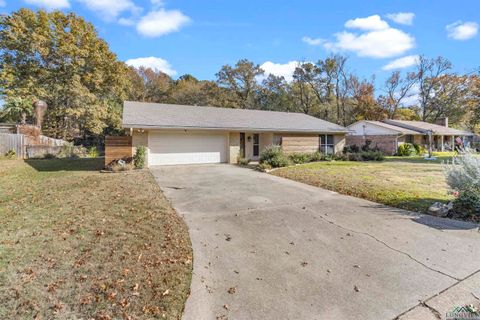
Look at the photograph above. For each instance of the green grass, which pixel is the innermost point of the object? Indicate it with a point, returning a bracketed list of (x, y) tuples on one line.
[(441, 157), (79, 244), (410, 183)]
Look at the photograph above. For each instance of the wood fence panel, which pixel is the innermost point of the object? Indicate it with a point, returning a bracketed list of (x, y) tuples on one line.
[(10, 141), (117, 148)]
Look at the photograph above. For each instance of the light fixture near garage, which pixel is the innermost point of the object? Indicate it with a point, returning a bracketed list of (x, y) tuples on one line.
[(140, 130), (249, 138)]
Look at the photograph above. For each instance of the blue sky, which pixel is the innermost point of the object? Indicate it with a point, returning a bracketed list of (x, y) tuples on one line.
[(198, 37)]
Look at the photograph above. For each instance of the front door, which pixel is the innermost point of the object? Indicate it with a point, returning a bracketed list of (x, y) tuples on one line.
[(242, 144), (256, 145)]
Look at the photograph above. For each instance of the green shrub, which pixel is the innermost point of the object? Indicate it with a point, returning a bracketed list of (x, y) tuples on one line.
[(274, 156), (264, 167), (368, 147), (11, 154), (299, 158), (66, 151), (316, 156), (406, 150), (372, 155), (139, 157), (351, 149), (419, 149), (92, 152), (463, 177), (49, 156), (242, 161), (467, 203)]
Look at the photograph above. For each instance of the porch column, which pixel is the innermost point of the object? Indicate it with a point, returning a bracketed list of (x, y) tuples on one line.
[(442, 147)]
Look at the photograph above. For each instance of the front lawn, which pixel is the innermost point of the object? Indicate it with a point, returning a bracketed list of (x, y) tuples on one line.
[(407, 183), (79, 244)]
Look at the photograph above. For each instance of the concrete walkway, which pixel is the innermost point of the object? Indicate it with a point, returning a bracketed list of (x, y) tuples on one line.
[(270, 248)]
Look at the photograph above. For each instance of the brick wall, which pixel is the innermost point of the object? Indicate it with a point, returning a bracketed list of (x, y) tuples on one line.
[(387, 144), (300, 143)]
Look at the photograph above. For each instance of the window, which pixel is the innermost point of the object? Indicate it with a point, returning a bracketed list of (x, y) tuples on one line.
[(277, 140), (409, 138), (327, 145), (256, 144)]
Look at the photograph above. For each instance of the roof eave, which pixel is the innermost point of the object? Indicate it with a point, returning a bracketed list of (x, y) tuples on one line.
[(235, 129)]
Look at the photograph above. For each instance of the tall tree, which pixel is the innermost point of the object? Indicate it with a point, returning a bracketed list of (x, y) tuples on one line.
[(149, 85), (365, 106), (397, 90), (60, 59), (242, 81), (274, 94), (429, 73)]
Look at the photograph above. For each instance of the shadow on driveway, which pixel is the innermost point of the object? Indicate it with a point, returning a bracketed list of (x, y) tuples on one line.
[(52, 165), (431, 221)]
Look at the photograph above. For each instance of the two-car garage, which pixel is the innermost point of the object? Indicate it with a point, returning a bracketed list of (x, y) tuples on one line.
[(186, 147)]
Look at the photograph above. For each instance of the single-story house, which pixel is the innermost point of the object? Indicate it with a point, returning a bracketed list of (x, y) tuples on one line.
[(387, 135), (178, 134)]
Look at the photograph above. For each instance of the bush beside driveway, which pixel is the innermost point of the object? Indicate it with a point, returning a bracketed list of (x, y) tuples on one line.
[(75, 243)]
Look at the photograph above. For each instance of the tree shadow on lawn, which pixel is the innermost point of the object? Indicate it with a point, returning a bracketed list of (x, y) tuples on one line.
[(431, 221), (52, 165)]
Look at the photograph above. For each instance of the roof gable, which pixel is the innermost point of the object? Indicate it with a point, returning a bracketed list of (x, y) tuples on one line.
[(391, 129)]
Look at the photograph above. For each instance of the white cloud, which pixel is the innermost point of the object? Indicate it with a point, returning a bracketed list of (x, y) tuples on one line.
[(158, 3), (405, 18), (376, 39), (3, 3), (160, 22), (280, 70), (50, 4), (154, 63), (313, 41), (110, 9), (403, 62), (369, 23), (126, 22), (385, 43), (462, 30)]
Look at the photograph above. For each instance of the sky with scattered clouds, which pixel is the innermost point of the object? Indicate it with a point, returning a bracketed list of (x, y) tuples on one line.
[(198, 37)]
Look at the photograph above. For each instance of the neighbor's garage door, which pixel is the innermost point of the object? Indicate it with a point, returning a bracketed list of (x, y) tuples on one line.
[(186, 148)]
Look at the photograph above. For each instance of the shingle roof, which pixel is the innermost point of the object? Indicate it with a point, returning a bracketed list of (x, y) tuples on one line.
[(423, 127), (157, 115)]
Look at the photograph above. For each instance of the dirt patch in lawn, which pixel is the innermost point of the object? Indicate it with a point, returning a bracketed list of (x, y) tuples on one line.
[(406, 185), (75, 243)]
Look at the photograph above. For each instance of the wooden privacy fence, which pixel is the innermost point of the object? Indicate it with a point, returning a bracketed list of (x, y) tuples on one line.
[(28, 146), (10, 141), (117, 147)]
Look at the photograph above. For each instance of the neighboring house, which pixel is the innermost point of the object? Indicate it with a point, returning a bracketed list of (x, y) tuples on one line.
[(177, 134), (389, 134)]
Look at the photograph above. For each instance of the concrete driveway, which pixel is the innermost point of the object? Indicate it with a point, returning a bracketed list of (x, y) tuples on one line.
[(270, 248)]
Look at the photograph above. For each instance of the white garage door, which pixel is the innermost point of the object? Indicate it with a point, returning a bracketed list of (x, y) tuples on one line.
[(186, 148)]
